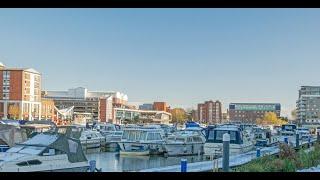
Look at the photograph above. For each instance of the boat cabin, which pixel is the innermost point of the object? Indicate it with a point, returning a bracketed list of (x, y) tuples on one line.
[(142, 134), (215, 135)]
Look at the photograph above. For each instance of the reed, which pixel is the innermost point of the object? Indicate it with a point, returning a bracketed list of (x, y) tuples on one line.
[(287, 161)]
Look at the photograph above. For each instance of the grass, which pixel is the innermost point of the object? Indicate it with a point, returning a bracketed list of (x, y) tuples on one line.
[(288, 161)]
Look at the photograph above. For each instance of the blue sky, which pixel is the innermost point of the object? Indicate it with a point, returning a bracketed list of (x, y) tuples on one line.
[(182, 56)]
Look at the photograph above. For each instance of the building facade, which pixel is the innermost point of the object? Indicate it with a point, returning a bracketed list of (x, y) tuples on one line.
[(47, 109), (122, 116), (161, 106), (250, 112), (105, 109), (100, 104), (20, 93), (308, 105), (210, 112)]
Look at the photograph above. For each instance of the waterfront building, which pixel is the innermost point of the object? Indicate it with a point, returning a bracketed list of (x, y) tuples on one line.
[(99, 103), (20, 93), (308, 105), (210, 112), (122, 115), (250, 112)]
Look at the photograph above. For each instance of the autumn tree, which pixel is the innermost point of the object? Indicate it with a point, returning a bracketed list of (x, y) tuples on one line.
[(271, 118), (179, 115)]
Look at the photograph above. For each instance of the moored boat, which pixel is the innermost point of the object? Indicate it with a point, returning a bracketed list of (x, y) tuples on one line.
[(149, 139), (239, 141), (184, 143), (52, 152)]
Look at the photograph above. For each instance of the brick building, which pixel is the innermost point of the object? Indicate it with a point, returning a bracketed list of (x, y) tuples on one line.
[(250, 112), (20, 93), (210, 112)]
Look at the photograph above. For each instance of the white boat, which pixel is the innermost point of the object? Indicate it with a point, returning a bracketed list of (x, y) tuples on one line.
[(288, 131), (146, 139), (112, 133), (184, 143), (91, 139), (240, 142), (304, 133), (50, 152), (263, 137)]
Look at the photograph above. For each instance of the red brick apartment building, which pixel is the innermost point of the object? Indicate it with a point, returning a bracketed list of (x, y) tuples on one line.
[(210, 112), (20, 93)]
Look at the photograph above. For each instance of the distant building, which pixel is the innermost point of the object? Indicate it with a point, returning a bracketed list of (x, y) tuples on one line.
[(210, 112), (146, 107), (47, 109), (20, 93), (225, 117), (122, 116), (250, 112), (99, 104), (308, 105), (161, 106)]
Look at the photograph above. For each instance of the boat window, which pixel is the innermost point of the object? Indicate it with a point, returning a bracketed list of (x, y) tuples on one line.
[(180, 139), (34, 162), (196, 139), (150, 136), (118, 133), (125, 135), (219, 135), (15, 149), (24, 163), (211, 135), (157, 136), (143, 135), (189, 139)]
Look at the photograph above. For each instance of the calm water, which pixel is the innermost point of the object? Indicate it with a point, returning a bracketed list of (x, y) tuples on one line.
[(113, 162)]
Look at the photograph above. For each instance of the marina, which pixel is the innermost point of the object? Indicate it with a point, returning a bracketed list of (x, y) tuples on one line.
[(145, 148)]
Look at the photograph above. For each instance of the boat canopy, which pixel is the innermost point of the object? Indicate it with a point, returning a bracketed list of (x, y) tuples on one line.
[(192, 124), (59, 142)]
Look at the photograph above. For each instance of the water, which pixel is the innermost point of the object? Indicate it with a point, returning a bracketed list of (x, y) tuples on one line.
[(114, 162)]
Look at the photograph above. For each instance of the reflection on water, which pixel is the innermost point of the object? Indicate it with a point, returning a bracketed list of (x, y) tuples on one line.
[(113, 162)]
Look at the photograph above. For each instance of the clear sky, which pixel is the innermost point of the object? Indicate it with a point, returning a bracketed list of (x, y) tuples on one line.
[(182, 56)]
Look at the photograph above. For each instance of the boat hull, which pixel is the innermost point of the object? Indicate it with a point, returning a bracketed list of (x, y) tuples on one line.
[(153, 148), (175, 149), (215, 149), (135, 153)]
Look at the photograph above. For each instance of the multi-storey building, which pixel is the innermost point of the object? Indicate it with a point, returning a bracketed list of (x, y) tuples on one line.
[(210, 112), (308, 105), (99, 104), (161, 106), (250, 112), (20, 93)]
